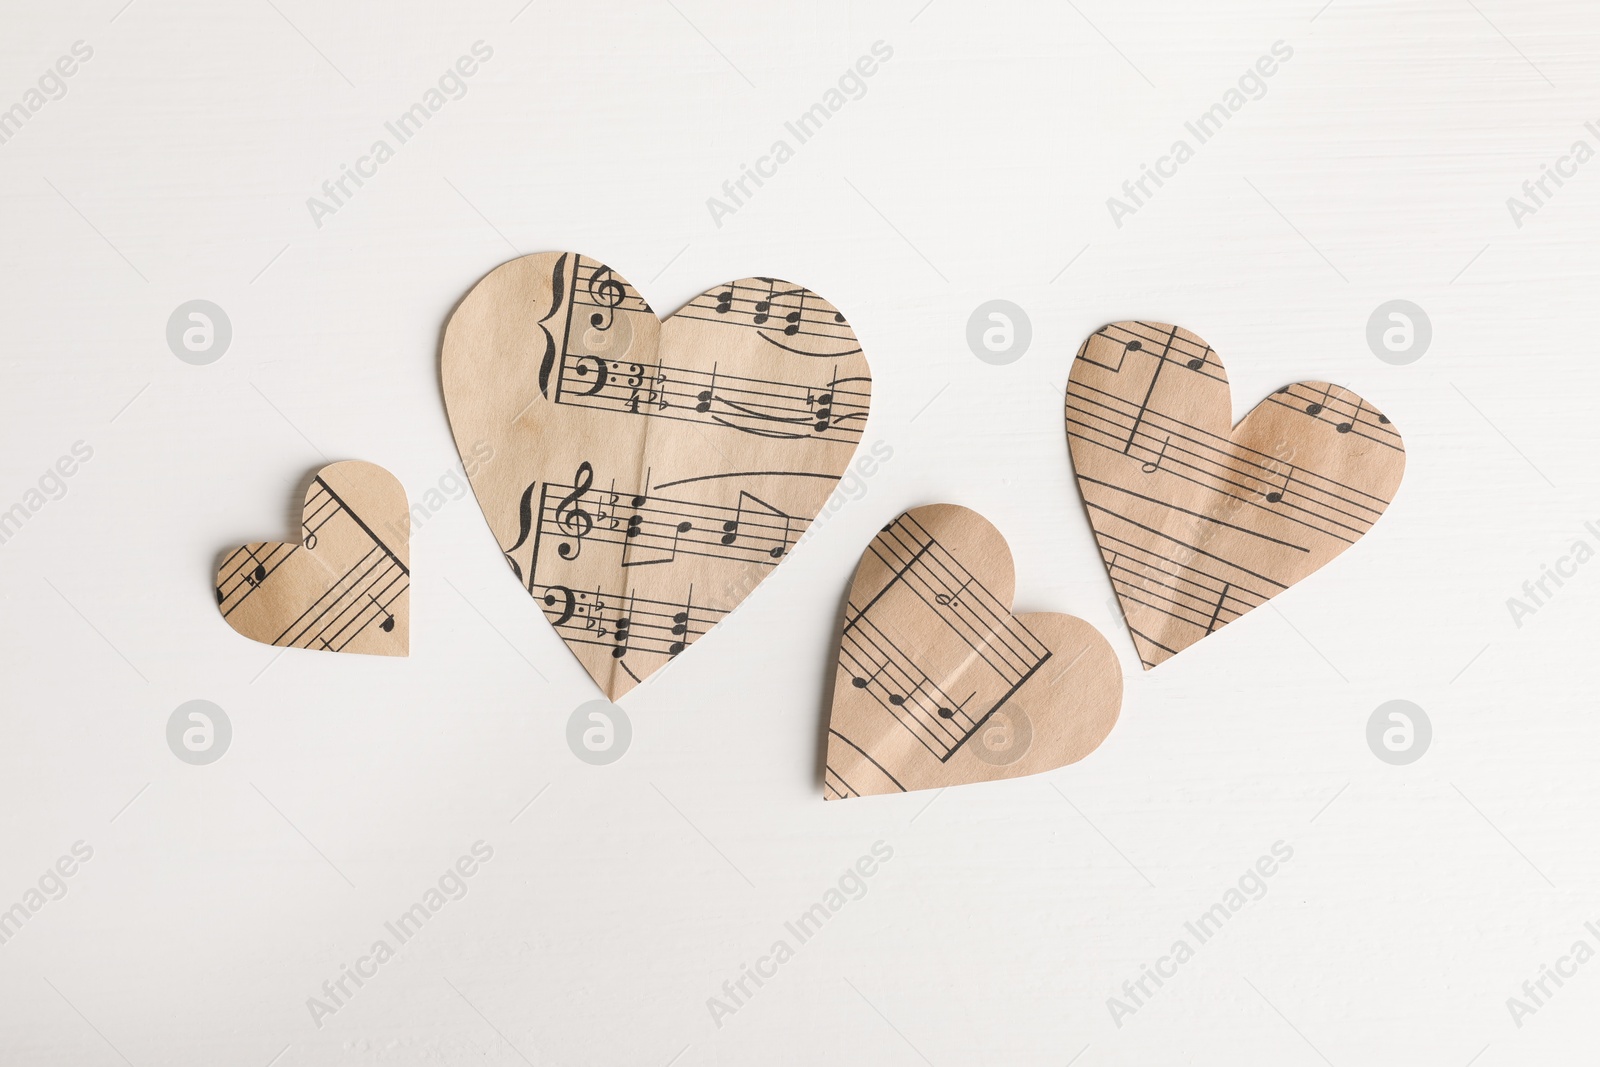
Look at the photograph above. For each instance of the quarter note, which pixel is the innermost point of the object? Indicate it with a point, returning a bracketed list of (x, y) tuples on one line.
[(1316, 406), (764, 307), (256, 575), (680, 625), (1277, 495), (1348, 425), (862, 683), (707, 394), (624, 628), (795, 317), (823, 404)]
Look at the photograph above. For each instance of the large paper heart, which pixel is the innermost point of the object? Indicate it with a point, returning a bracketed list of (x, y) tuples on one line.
[(647, 475), (939, 684), (1199, 522), (346, 586)]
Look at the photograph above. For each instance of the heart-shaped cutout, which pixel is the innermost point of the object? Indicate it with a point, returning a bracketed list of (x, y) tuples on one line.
[(939, 684), (346, 586), (644, 476), (1198, 521)]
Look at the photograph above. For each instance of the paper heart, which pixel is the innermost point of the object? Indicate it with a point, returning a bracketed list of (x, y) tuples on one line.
[(346, 586), (1199, 522), (641, 476), (939, 684)]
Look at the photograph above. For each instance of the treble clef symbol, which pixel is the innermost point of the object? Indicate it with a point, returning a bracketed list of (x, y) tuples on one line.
[(608, 294), (571, 519)]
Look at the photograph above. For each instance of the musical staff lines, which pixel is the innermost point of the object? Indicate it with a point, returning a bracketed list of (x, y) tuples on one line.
[(626, 623), (997, 654), (647, 529), (595, 371), (833, 409), (363, 596), (1212, 461), (1198, 521), (777, 309), (938, 683), (343, 588), (668, 464)]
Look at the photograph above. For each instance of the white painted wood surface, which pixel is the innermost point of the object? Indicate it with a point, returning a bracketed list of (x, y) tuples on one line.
[(1376, 165)]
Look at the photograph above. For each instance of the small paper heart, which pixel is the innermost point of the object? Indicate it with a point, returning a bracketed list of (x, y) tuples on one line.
[(643, 476), (939, 684), (345, 586), (1199, 522)]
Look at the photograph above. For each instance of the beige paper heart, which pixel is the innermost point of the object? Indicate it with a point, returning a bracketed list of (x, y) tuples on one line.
[(1199, 522), (647, 475), (345, 587), (939, 684)]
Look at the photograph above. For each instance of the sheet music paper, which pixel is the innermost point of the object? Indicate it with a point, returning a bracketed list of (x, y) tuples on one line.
[(345, 586), (647, 474), (1199, 522), (938, 683)]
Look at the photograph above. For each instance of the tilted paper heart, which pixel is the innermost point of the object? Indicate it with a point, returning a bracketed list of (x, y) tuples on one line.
[(642, 477), (1199, 522), (939, 684), (346, 586)]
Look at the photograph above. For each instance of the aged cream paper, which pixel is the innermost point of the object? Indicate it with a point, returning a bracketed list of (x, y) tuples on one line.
[(647, 475), (938, 683), (343, 587), (1199, 522)]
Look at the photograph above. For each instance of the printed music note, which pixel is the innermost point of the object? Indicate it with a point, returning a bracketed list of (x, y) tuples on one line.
[(680, 625), (1276, 496), (1231, 512), (258, 573), (1151, 468), (768, 378), (774, 545), (622, 631), (1316, 406), (764, 307), (387, 625), (795, 317), (823, 404), (863, 682), (939, 683), (708, 394), (950, 713), (345, 586), (1350, 423)]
